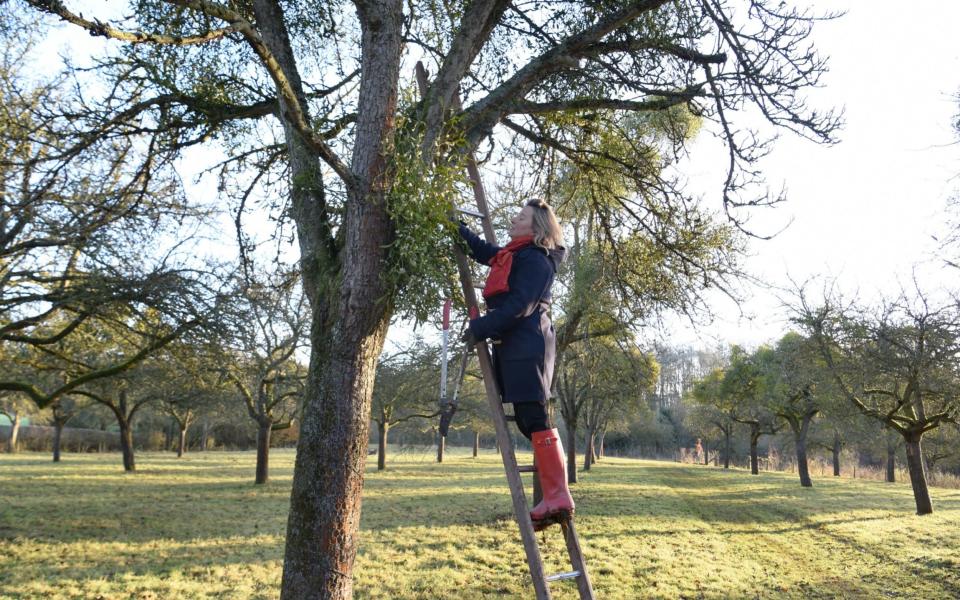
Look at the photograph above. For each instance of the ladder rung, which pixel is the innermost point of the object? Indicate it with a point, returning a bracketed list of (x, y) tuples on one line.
[(561, 576), (472, 213), (527, 469)]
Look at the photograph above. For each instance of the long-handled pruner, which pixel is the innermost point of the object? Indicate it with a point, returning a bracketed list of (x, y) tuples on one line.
[(447, 408)]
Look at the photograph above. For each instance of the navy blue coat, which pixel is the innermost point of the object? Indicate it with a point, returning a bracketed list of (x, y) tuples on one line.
[(518, 321)]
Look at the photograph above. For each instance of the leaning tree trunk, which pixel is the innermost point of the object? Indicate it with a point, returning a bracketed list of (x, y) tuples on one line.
[(57, 437), (918, 475), (836, 454), (324, 518), (14, 432), (126, 445), (571, 453), (383, 429), (264, 429), (476, 444), (754, 457)]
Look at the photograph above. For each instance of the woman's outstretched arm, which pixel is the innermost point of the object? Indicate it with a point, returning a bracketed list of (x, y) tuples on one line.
[(480, 250)]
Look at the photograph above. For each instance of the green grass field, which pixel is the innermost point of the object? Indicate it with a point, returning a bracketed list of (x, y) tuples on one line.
[(198, 528)]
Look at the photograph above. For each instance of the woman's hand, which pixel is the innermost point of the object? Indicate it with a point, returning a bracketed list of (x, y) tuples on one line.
[(468, 338)]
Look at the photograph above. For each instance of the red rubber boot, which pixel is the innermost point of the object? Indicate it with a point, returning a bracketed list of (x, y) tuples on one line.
[(552, 469)]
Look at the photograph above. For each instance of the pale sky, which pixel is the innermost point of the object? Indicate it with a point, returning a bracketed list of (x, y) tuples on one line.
[(862, 211)]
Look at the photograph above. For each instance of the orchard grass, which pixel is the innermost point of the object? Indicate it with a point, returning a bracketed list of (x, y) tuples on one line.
[(197, 527)]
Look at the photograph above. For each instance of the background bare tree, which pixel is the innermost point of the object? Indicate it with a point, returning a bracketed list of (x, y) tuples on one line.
[(268, 328), (76, 210), (406, 389), (896, 363)]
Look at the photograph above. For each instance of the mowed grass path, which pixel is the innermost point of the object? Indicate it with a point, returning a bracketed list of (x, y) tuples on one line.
[(198, 528)]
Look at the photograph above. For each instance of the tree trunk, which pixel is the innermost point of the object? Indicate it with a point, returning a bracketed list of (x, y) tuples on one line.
[(706, 453), (891, 463), (726, 449), (182, 445), (601, 449), (800, 431), (383, 429), (588, 454), (918, 476), (836, 454), (349, 324), (754, 458), (571, 453), (802, 467), (264, 429), (57, 436), (14, 432), (441, 445), (126, 445), (476, 443)]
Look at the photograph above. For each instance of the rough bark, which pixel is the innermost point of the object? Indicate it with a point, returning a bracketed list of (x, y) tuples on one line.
[(918, 475), (476, 444), (264, 429), (324, 518), (383, 429)]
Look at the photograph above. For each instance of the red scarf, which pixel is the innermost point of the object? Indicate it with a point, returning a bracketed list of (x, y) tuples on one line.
[(500, 266)]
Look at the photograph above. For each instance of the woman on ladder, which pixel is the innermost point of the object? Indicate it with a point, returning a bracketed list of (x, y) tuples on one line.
[(517, 294)]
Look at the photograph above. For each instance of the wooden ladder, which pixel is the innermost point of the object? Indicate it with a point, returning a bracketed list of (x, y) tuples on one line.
[(541, 581)]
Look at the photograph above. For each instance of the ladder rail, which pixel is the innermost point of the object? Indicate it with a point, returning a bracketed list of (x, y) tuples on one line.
[(513, 470), (520, 508)]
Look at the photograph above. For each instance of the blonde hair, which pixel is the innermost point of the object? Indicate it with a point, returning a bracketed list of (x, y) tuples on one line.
[(546, 230)]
